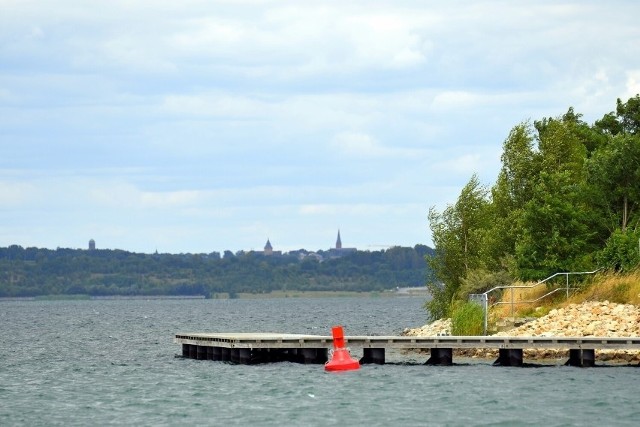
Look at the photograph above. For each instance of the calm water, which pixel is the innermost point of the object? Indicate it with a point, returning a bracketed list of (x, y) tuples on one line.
[(113, 362)]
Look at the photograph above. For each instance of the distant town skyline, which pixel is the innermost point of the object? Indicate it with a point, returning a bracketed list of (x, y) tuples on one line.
[(269, 248)]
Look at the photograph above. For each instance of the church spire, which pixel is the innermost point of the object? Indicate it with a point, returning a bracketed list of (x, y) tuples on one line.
[(268, 249), (339, 241)]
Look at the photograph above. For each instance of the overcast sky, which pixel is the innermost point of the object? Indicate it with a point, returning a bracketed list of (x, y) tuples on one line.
[(200, 126)]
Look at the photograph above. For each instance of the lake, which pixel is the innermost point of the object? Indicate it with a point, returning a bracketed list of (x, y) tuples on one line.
[(114, 362)]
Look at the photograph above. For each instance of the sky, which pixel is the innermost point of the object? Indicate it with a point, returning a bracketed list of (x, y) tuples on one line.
[(197, 126)]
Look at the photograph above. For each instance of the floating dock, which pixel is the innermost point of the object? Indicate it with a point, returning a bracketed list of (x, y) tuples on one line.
[(253, 348)]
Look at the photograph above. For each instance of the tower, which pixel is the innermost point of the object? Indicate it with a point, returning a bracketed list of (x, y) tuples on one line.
[(268, 249), (339, 241), (92, 245)]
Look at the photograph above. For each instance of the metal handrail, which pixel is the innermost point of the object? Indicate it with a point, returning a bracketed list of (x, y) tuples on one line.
[(484, 297), (530, 301), (541, 281)]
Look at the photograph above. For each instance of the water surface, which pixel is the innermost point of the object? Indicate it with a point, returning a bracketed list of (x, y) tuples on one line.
[(113, 362)]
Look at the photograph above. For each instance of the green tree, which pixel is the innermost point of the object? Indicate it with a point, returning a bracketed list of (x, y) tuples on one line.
[(105, 272), (614, 177), (556, 235), (614, 171), (560, 147), (590, 137), (613, 174), (557, 228), (513, 188), (458, 234), (628, 115), (622, 251)]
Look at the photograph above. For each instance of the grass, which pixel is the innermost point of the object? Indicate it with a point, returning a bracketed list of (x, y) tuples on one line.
[(618, 288), (467, 319), (520, 298)]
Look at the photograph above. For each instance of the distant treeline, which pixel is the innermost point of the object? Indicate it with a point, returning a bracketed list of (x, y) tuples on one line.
[(27, 272)]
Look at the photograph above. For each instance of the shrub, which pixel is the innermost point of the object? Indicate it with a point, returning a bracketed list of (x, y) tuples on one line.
[(621, 252), (467, 318), (480, 280)]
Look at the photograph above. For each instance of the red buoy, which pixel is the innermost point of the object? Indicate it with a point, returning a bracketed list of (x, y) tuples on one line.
[(341, 360)]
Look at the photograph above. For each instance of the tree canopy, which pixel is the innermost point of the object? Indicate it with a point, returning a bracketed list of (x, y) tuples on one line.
[(28, 272), (567, 198)]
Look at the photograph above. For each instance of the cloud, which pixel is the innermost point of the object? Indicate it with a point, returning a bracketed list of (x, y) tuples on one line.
[(361, 145), (16, 194), (465, 164), (215, 105), (124, 195), (358, 145), (242, 115), (354, 210), (633, 83), (208, 34), (386, 40), (450, 100), (167, 199)]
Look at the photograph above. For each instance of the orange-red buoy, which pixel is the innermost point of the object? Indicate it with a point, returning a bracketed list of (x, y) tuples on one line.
[(341, 360)]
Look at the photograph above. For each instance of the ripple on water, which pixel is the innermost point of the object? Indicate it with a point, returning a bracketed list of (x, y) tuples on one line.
[(112, 362)]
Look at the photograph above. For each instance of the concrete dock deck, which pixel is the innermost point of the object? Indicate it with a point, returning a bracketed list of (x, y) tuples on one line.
[(249, 348)]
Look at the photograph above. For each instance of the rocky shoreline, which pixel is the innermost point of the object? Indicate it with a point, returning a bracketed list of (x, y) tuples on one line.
[(595, 318)]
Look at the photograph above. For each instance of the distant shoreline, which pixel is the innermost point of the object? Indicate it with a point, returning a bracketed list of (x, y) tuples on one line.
[(99, 298), (400, 292)]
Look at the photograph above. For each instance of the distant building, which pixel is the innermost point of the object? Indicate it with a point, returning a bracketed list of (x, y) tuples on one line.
[(336, 252), (312, 255), (339, 251), (268, 250), (92, 245)]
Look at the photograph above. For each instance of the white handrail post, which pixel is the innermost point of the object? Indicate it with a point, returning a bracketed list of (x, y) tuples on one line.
[(486, 312), (513, 316)]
